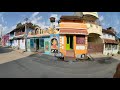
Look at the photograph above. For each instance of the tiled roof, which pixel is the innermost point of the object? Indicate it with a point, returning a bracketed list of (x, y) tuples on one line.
[(70, 18), (74, 31), (109, 31), (110, 41)]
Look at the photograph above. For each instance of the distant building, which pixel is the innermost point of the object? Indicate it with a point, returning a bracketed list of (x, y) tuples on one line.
[(5, 40), (110, 43)]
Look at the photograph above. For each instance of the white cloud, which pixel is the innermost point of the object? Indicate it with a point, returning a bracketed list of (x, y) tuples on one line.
[(4, 29), (101, 18), (34, 14), (35, 19)]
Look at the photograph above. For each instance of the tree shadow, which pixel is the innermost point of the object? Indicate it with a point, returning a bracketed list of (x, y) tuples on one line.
[(36, 66), (106, 60), (5, 49)]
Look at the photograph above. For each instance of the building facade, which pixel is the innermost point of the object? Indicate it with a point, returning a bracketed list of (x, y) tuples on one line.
[(111, 45), (5, 40), (73, 36), (36, 39), (94, 29)]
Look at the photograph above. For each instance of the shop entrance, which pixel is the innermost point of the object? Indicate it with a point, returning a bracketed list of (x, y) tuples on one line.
[(37, 44), (69, 42)]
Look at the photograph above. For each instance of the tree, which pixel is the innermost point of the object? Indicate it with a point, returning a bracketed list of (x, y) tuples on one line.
[(18, 25)]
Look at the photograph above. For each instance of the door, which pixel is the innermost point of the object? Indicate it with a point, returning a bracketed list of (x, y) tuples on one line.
[(32, 44), (37, 44), (69, 42)]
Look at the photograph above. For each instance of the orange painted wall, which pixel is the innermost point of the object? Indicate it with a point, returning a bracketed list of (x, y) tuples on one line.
[(80, 51), (73, 25), (63, 50)]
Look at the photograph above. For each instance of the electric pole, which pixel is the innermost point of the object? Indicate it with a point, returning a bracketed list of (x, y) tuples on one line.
[(26, 19)]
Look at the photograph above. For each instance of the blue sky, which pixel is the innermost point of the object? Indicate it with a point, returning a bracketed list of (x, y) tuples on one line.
[(8, 20)]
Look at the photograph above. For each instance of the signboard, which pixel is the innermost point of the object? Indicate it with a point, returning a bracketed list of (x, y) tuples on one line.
[(80, 47)]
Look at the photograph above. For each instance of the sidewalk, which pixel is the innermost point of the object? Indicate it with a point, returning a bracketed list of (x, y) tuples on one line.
[(12, 55), (99, 56)]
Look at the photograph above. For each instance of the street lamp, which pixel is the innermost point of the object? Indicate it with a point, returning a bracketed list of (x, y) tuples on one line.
[(26, 19)]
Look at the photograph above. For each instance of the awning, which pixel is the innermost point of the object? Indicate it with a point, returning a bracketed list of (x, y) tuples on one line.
[(110, 41), (74, 31)]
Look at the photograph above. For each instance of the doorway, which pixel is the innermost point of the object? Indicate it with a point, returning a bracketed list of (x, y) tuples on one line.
[(37, 44), (69, 42)]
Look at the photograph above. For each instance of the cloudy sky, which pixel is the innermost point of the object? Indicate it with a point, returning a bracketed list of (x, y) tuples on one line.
[(8, 20)]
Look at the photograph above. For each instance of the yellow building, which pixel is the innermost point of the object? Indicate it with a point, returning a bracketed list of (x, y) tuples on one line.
[(94, 29)]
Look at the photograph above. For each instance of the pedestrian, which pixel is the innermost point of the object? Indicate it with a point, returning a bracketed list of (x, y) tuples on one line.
[(117, 73)]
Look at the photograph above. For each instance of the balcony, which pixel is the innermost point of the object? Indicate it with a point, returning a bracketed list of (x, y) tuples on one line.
[(93, 28)]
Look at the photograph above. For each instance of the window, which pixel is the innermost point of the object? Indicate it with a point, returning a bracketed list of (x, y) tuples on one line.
[(42, 42), (109, 36), (80, 39), (106, 46), (109, 46), (115, 47)]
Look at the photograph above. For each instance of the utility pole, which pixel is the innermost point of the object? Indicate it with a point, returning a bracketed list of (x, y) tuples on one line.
[(26, 19)]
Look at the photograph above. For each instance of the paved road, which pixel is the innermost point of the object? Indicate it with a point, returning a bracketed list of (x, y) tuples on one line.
[(36, 66)]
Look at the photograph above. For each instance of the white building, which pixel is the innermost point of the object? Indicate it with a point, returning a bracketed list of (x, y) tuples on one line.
[(111, 46)]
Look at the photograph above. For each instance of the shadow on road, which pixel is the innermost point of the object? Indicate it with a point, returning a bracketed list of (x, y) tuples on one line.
[(5, 49), (42, 65)]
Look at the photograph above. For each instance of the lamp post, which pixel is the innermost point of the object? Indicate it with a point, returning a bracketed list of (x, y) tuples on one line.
[(26, 19)]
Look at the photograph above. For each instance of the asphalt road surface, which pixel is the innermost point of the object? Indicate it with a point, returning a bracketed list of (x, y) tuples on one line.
[(45, 66)]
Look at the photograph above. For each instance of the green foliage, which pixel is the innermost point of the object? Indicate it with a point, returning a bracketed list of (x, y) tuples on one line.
[(19, 24)]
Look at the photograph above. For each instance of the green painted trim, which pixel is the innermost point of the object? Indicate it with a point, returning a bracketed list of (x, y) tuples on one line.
[(68, 44)]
